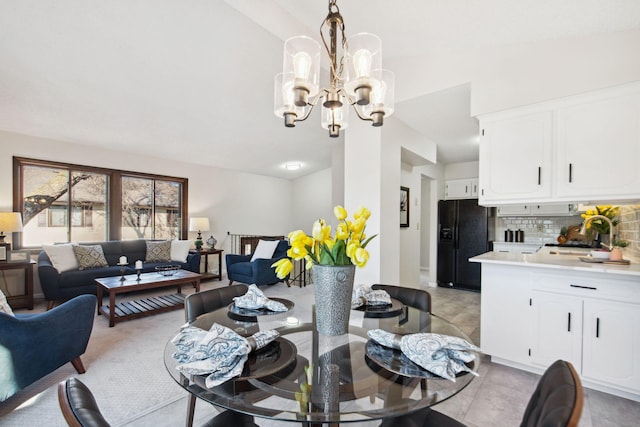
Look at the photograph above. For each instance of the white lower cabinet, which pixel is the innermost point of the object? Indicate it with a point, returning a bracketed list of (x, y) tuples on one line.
[(611, 343), (557, 329), (531, 318)]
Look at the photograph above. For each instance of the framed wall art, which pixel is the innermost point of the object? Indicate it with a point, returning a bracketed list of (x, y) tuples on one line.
[(404, 207)]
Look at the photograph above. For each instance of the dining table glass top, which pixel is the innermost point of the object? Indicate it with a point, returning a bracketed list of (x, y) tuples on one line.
[(351, 378)]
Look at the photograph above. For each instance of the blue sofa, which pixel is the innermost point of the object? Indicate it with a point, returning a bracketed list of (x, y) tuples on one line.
[(259, 272), (68, 284), (34, 345)]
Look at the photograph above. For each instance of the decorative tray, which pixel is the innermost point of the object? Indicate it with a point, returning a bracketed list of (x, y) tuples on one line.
[(603, 261), (377, 311), (167, 270), (392, 360), (249, 315)]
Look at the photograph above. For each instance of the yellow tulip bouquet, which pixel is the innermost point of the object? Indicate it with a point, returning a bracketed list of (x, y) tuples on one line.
[(598, 225), (346, 248)]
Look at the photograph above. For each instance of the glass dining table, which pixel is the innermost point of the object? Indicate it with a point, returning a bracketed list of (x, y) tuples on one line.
[(314, 379)]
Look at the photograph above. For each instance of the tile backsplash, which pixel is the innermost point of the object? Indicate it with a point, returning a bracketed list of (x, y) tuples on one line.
[(546, 229), (629, 228), (536, 229)]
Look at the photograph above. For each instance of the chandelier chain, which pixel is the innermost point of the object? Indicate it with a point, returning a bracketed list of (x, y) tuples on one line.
[(334, 16)]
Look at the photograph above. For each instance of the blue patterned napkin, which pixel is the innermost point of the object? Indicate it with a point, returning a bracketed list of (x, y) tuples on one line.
[(442, 355), (255, 299), (219, 352), (364, 295)]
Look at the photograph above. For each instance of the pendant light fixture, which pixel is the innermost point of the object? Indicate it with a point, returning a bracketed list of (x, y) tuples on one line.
[(356, 77)]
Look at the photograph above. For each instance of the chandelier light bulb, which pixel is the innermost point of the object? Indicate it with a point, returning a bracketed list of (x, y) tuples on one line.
[(302, 65), (362, 63)]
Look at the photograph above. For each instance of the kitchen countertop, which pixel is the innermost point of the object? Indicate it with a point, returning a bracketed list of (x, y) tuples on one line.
[(566, 260)]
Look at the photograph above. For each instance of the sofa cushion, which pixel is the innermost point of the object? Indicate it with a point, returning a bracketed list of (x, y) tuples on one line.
[(90, 256), (4, 305), (62, 256), (112, 249), (79, 278), (158, 251), (134, 250), (180, 250), (265, 249)]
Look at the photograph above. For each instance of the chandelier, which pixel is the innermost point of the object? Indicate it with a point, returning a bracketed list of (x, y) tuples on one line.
[(356, 77)]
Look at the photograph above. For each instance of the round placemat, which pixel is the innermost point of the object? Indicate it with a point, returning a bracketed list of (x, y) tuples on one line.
[(249, 315), (396, 362), (377, 311)]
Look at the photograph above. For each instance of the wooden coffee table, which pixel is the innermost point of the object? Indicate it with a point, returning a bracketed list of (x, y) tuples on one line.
[(144, 306)]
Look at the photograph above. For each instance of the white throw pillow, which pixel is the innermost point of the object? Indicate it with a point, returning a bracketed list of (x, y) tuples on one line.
[(180, 250), (265, 249), (62, 256), (4, 305)]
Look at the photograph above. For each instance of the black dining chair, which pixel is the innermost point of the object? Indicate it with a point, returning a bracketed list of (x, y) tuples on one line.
[(206, 301), (557, 401), (78, 405), (416, 298), (200, 303)]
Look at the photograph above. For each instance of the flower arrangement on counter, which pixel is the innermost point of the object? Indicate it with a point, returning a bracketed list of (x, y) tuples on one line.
[(598, 225), (346, 248)]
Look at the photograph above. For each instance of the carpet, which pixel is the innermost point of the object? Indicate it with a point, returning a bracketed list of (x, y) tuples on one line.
[(125, 371)]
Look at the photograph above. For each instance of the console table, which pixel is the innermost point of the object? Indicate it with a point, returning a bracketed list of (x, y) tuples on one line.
[(205, 253), (25, 300)]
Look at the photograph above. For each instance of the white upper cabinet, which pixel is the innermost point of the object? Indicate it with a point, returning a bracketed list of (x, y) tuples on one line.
[(461, 189), (580, 148), (515, 158), (598, 148)]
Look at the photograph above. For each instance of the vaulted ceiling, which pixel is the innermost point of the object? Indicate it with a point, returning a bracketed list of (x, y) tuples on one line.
[(194, 79)]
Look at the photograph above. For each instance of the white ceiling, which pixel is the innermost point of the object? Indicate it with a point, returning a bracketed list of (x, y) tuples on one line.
[(193, 79)]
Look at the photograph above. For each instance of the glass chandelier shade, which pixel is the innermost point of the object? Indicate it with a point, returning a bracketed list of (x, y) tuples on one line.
[(364, 65), (301, 68), (335, 119), (356, 78)]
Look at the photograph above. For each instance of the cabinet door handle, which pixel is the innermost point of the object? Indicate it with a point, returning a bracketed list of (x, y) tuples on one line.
[(597, 327), (592, 288), (466, 189), (570, 172), (475, 189), (539, 175), (569, 322)]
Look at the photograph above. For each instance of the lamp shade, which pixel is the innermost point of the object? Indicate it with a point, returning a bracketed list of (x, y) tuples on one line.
[(10, 222), (199, 224)]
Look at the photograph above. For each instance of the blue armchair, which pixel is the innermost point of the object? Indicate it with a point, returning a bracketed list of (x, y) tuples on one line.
[(259, 272), (34, 345)]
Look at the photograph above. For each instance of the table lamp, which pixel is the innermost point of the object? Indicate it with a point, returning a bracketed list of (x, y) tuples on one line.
[(10, 222), (199, 224)]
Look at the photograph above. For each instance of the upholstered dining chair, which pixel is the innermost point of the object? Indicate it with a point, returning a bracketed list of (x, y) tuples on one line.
[(416, 298), (200, 303), (78, 405), (206, 301), (557, 401)]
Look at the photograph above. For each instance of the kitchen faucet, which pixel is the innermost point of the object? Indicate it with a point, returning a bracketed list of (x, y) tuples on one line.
[(588, 220)]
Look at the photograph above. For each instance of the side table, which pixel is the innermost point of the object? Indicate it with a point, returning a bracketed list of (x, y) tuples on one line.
[(25, 300), (206, 252)]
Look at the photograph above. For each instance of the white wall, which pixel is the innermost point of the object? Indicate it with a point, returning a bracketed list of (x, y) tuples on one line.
[(509, 76), (425, 217), (234, 201), (461, 170), (312, 200), (410, 236)]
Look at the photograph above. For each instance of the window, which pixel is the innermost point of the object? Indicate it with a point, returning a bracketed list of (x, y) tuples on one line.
[(63, 203)]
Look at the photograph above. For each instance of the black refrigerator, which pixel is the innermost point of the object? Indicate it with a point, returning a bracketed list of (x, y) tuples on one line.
[(465, 230)]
